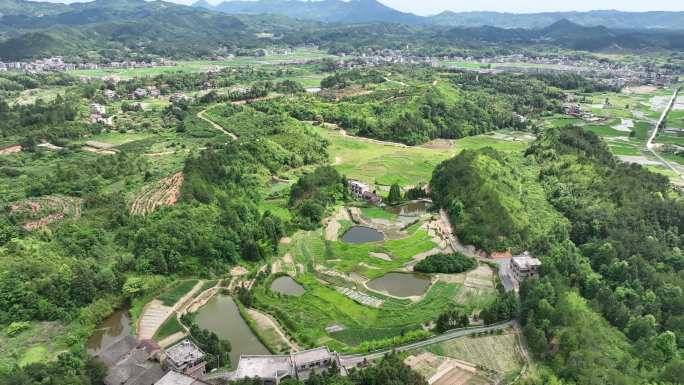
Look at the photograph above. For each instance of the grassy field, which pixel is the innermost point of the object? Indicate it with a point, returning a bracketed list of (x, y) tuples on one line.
[(39, 343), (169, 327), (205, 65), (408, 166), (176, 292)]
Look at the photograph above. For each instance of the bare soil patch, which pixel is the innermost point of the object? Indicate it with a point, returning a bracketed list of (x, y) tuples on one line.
[(40, 212), (439, 144), (639, 90), (10, 149), (162, 193)]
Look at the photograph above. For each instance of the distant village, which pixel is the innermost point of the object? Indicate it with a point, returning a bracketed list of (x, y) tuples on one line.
[(613, 74)]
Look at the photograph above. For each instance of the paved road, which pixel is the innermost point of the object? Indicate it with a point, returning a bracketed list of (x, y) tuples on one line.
[(649, 144), (352, 360)]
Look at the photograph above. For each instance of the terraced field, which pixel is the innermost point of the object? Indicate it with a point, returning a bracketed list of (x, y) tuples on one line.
[(35, 213), (162, 193)]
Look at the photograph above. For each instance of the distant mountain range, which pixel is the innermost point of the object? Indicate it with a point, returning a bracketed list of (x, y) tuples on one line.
[(329, 11), (567, 34), (359, 11), (118, 29), (608, 19)]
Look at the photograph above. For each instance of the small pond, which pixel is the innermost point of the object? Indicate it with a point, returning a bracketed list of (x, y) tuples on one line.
[(113, 328), (362, 234), (401, 284), (411, 209), (221, 316), (288, 286)]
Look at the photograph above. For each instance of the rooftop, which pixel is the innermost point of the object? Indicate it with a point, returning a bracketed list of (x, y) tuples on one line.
[(175, 378), (525, 261), (311, 355), (184, 351), (263, 367)]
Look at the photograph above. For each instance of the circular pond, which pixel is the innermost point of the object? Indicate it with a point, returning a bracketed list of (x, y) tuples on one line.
[(288, 286), (362, 234), (401, 284)]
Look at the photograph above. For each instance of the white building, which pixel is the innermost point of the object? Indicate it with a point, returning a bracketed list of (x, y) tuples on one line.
[(185, 357), (525, 266), (272, 369), (358, 188)]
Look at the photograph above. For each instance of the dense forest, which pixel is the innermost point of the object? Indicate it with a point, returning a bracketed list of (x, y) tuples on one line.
[(609, 306)]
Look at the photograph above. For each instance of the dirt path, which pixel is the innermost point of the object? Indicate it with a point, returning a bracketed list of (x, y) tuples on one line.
[(265, 321), (215, 125)]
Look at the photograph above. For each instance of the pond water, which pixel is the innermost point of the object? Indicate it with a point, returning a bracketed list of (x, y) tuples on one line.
[(401, 284), (221, 316), (288, 286), (114, 327), (411, 209), (362, 234)]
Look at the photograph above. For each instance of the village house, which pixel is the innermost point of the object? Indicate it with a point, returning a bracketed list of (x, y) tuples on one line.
[(96, 108), (574, 110), (178, 97), (132, 363), (525, 266), (153, 91), (139, 93), (273, 369), (185, 357), (109, 94), (357, 188), (175, 378), (363, 191)]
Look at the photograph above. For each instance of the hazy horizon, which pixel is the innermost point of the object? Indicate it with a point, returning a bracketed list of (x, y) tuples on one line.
[(431, 7)]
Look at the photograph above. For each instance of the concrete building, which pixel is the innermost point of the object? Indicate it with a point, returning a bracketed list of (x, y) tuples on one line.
[(175, 378), (109, 94), (185, 357), (525, 266), (358, 189), (99, 109), (273, 369), (132, 363)]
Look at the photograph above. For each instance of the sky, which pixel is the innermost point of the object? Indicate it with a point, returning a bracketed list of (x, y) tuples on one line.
[(430, 7)]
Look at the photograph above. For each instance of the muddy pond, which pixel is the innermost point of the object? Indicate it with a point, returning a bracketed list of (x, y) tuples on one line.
[(221, 316), (288, 286), (362, 234), (411, 209), (401, 284), (113, 328)]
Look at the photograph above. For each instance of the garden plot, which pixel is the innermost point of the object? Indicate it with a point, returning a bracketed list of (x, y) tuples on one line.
[(35, 213), (363, 299), (162, 193), (444, 371), (501, 353)]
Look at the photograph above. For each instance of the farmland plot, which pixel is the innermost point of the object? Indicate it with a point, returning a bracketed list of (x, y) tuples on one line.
[(497, 352)]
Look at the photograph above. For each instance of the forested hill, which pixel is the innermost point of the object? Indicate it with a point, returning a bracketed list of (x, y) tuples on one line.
[(609, 307)]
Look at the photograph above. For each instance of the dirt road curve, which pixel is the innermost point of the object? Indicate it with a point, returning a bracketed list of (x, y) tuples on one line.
[(215, 125)]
